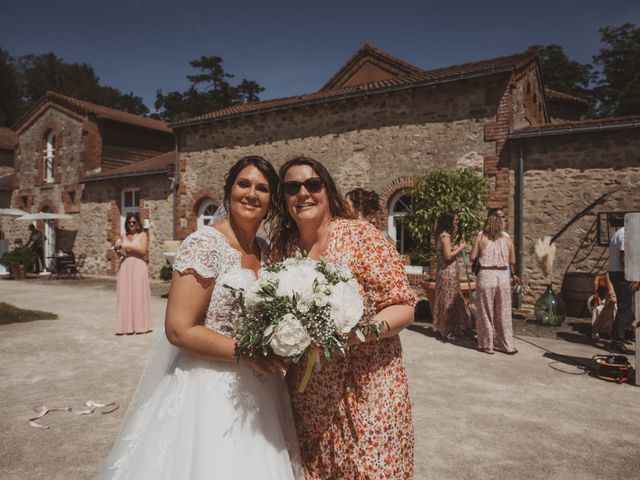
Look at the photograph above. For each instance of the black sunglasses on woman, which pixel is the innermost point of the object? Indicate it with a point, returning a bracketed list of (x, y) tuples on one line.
[(312, 185)]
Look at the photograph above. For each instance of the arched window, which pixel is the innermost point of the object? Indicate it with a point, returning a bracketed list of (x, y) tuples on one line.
[(206, 210), (48, 155), (398, 207), (49, 238)]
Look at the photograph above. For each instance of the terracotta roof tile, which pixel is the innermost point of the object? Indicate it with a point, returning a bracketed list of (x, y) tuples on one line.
[(162, 163), (369, 51), (553, 94), (8, 139), (98, 110), (323, 96)]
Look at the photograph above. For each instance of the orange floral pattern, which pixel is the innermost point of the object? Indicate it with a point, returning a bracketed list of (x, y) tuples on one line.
[(354, 418)]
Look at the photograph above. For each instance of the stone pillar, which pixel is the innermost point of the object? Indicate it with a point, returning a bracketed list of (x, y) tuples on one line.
[(632, 270)]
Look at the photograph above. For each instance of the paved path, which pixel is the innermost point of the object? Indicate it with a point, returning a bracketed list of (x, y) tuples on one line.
[(531, 416)]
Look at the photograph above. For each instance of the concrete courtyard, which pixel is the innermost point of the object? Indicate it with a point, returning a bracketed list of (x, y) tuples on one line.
[(535, 415)]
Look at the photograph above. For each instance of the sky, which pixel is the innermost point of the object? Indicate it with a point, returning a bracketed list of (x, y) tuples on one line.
[(289, 47)]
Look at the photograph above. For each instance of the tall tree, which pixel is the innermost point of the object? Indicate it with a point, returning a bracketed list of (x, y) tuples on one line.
[(563, 74), (210, 90), (248, 91), (9, 93), (212, 72), (36, 74), (618, 90)]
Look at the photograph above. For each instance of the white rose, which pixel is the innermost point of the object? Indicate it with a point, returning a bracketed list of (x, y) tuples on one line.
[(251, 297), (299, 278), (291, 261), (340, 270), (265, 277), (289, 337), (347, 306), (320, 299)]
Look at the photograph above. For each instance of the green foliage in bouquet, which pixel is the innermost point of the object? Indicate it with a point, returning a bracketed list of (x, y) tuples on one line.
[(438, 191), (256, 328), (264, 309)]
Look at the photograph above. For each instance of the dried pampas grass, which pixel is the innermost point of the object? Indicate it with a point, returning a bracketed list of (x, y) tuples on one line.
[(545, 253)]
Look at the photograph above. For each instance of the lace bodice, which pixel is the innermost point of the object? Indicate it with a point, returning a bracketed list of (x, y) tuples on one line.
[(207, 254)]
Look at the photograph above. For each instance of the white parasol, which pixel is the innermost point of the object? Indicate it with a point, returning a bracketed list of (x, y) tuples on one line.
[(30, 217), (12, 212)]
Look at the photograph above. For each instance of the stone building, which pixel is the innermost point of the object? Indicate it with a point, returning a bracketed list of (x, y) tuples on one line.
[(379, 122), (566, 180), (564, 107), (376, 124), (65, 146), (8, 141)]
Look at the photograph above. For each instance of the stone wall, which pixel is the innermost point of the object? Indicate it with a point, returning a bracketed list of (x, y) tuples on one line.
[(94, 206), (563, 175), (100, 225), (367, 142), (32, 193)]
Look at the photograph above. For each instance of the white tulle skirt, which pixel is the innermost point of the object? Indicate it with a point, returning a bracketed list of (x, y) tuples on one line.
[(208, 420)]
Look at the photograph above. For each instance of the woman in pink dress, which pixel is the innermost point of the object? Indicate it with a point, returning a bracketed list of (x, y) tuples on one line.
[(134, 295), (354, 417), (493, 287), (451, 316)]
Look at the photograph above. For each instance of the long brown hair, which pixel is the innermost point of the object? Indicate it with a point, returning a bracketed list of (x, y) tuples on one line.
[(493, 227), (263, 167), (285, 230), (445, 224)]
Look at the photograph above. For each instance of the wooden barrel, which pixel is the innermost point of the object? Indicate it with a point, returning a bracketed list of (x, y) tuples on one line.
[(576, 289)]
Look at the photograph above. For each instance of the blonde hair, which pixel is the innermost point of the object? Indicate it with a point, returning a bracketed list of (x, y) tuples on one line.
[(493, 227)]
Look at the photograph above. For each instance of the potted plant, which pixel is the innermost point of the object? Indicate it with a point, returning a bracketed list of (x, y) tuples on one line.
[(438, 191), (18, 261)]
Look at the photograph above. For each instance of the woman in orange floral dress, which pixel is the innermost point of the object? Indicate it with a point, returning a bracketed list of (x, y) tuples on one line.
[(354, 417)]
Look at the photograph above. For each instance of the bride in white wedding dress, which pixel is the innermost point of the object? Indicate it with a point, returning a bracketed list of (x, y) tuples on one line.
[(198, 412)]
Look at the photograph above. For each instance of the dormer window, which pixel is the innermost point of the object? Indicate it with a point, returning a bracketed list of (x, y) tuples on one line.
[(48, 156)]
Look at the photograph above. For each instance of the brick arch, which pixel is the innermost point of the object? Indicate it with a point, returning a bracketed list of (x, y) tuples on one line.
[(400, 183), (196, 200), (49, 204)]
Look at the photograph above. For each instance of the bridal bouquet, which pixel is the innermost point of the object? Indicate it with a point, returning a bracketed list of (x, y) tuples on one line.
[(301, 307)]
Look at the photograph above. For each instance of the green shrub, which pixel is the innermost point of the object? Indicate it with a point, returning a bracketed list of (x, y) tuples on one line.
[(438, 191), (18, 256)]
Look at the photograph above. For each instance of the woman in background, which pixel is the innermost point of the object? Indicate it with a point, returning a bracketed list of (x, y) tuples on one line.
[(493, 296), (134, 294), (451, 316)]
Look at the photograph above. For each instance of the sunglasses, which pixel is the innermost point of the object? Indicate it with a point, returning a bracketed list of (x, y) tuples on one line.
[(133, 222), (311, 185)]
